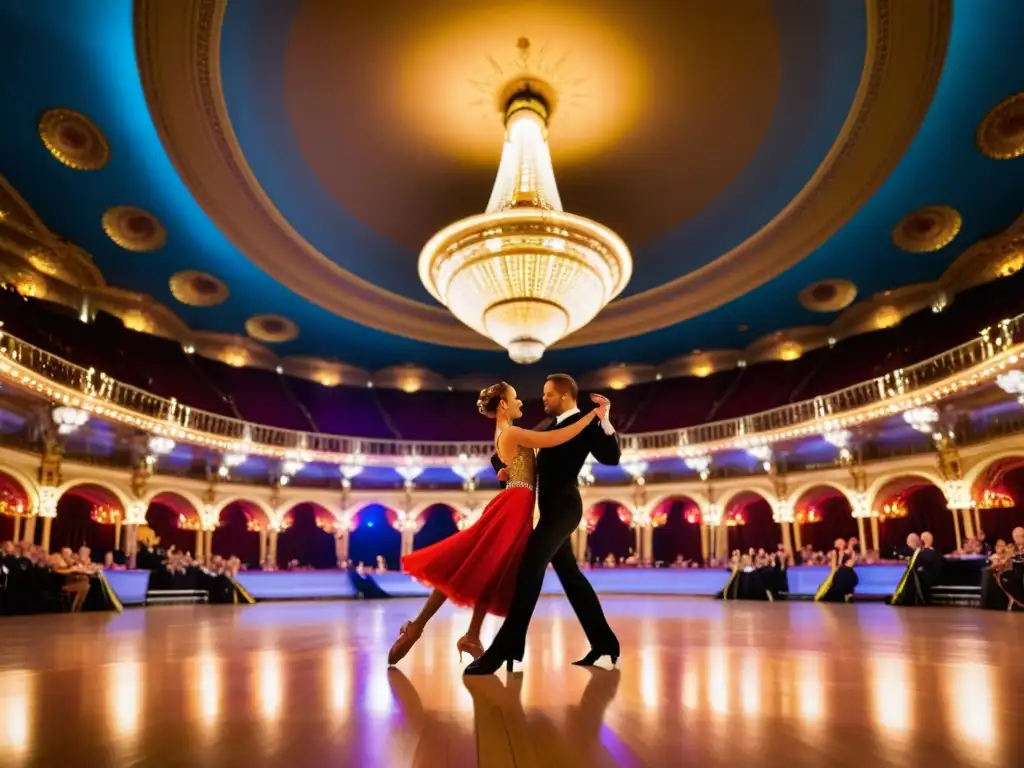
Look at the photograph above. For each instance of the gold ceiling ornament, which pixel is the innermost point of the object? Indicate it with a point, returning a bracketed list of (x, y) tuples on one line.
[(928, 229), (525, 273), (886, 317), (271, 328), (198, 289), (134, 229), (29, 284), (789, 350), (136, 320), (74, 139), (1001, 134), (828, 295)]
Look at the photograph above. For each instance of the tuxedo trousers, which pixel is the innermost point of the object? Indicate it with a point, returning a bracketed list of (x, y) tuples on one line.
[(561, 510)]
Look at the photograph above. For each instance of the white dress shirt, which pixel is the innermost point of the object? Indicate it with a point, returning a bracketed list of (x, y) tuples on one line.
[(606, 423)]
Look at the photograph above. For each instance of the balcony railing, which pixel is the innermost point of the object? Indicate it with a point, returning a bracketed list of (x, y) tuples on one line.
[(33, 368)]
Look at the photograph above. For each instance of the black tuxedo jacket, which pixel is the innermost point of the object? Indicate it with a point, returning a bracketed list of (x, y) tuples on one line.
[(560, 467)]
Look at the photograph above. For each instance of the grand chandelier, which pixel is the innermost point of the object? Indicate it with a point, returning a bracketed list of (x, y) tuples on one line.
[(525, 273)]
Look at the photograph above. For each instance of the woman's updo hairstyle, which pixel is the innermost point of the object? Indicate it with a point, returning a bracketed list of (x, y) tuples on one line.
[(490, 398)]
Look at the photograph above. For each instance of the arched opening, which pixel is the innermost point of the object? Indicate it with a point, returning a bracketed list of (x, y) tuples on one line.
[(375, 536), (610, 535), (238, 531), (750, 523), (14, 506), (307, 538), (438, 524), (88, 516), (998, 493), (174, 520), (676, 535), (912, 504), (821, 515)]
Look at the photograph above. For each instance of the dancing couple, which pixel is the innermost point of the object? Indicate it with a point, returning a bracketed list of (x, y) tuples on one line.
[(497, 565)]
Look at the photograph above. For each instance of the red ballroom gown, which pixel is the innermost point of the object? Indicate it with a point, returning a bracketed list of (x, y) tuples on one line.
[(478, 565)]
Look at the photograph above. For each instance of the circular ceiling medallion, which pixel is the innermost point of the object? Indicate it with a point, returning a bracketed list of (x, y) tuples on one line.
[(198, 289), (134, 229), (271, 328), (828, 295), (74, 139), (788, 351), (1001, 133), (929, 229)]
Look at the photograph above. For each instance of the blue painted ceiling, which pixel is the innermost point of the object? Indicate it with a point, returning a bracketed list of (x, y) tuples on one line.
[(80, 54)]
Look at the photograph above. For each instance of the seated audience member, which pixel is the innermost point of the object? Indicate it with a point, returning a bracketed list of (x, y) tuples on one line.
[(923, 570), (109, 563), (1003, 581), (842, 581)]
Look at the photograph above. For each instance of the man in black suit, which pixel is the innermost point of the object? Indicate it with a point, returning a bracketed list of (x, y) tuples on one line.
[(561, 510)]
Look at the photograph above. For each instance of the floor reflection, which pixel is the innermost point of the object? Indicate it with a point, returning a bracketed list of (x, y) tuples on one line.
[(699, 683)]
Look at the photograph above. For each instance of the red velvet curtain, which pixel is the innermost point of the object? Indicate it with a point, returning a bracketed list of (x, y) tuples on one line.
[(926, 511), (163, 520), (836, 522), (232, 538), (610, 535), (305, 541), (677, 537), (74, 527), (999, 523), (759, 531), (438, 524)]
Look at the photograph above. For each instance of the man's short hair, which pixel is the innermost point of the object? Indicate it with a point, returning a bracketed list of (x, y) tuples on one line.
[(565, 384)]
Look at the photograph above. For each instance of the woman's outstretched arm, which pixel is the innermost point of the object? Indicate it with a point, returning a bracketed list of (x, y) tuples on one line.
[(530, 439)]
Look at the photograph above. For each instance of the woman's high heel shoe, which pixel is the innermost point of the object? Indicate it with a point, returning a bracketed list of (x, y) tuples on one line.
[(470, 645), (407, 637)]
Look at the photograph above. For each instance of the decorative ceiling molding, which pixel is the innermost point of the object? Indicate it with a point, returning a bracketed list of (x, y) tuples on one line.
[(271, 329), (178, 54), (828, 295), (134, 229), (198, 289), (74, 139), (1001, 133), (79, 285), (928, 229)]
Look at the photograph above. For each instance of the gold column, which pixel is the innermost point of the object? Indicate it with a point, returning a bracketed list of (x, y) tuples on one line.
[(977, 520), (263, 544), (30, 529), (796, 535), (209, 542), (272, 555), (956, 527), (705, 541), (17, 529), (649, 542), (863, 536), (968, 522), (47, 524), (787, 539), (117, 533), (876, 536), (199, 543)]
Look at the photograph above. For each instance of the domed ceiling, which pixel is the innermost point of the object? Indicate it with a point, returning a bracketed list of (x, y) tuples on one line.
[(271, 168)]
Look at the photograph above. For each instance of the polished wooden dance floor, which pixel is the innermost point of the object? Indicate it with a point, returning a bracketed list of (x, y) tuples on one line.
[(701, 683)]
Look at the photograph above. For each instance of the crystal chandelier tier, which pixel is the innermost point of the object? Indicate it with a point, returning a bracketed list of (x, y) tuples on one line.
[(525, 273)]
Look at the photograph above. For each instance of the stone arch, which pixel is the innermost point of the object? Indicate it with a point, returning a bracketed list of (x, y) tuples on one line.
[(605, 536), (334, 510), (181, 501), (911, 478), (982, 471), (729, 497), (745, 528), (122, 498), (699, 499), (253, 502), (421, 507), (841, 489), (921, 515), (822, 513), (27, 484)]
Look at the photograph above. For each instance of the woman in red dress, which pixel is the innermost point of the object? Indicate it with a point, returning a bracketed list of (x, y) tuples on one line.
[(477, 566)]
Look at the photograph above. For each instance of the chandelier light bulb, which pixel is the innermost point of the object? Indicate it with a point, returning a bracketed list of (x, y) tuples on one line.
[(525, 273)]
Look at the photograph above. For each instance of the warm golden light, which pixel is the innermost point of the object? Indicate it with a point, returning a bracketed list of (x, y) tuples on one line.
[(16, 709), (235, 357), (124, 697), (891, 702), (788, 351), (136, 321), (269, 688), (887, 317), (207, 687), (703, 370), (972, 706), (525, 273)]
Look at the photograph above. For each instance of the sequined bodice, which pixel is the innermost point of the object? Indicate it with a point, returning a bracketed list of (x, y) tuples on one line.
[(522, 470)]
